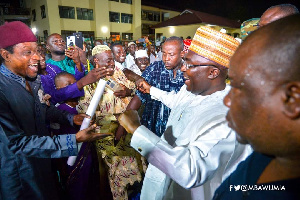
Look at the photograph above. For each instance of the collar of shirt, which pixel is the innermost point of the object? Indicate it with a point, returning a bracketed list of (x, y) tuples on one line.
[(9, 74), (119, 65)]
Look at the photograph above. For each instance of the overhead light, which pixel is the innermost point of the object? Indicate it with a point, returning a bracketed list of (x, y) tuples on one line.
[(172, 30), (34, 30), (104, 29)]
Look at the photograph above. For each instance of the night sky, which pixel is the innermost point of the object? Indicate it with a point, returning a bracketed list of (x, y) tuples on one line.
[(233, 9)]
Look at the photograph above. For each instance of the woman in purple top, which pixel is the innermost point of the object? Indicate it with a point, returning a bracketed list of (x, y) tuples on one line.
[(48, 73)]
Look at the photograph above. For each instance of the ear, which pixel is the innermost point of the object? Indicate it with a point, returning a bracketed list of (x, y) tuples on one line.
[(48, 47), (182, 54), (213, 73), (291, 100), (5, 55)]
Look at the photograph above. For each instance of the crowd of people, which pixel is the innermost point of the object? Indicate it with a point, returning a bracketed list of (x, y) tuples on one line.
[(168, 126)]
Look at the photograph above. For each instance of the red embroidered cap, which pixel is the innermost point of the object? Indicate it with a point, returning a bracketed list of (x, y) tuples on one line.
[(15, 32)]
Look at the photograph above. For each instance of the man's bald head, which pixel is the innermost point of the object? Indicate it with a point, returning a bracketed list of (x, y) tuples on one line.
[(277, 12)]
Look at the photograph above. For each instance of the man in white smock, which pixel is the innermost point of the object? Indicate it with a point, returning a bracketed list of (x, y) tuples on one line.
[(198, 150)]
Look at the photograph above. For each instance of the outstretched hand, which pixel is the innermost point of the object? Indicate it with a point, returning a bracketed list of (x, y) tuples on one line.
[(125, 92), (86, 135), (77, 119), (144, 87), (130, 120)]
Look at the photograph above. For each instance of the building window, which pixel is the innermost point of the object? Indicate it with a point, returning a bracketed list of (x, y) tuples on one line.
[(165, 16), (150, 15), (84, 13), (65, 33), (126, 18), (114, 0), (114, 36), (33, 15), (114, 17), (66, 12), (146, 29), (126, 1), (236, 35), (127, 36), (43, 11)]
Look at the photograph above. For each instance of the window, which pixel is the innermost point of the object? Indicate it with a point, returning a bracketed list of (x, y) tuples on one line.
[(126, 18), (150, 15), (127, 36), (114, 17), (65, 33), (146, 29), (66, 12), (84, 13), (43, 11), (33, 15), (236, 35), (165, 16), (114, 0), (126, 1), (114, 36)]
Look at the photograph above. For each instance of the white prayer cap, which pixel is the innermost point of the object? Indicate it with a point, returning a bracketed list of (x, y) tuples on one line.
[(130, 43), (100, 49), (141, 53)]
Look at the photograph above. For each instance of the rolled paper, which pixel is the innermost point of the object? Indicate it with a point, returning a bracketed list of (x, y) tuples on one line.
[(90, 111)]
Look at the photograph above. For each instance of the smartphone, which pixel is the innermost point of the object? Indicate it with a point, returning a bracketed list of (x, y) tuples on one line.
[(113, 85), (70, 41), (78, 39), (141, 40)]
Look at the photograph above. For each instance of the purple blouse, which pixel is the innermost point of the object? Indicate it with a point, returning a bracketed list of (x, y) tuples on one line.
[(69, 92)]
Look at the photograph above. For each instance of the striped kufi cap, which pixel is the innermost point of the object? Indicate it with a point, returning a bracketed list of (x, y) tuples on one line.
[(100, 49), (214, 45)]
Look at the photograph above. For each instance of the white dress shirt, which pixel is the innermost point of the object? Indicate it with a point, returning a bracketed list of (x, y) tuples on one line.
[(129, 61)]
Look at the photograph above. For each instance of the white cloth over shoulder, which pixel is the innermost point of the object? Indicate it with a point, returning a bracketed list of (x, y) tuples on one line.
[(197, 151), (129, 61)]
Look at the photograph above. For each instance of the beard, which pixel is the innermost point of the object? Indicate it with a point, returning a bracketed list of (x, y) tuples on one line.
[(59, 52)]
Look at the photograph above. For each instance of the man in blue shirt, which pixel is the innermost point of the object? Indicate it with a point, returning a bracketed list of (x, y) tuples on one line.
[(165, 75)]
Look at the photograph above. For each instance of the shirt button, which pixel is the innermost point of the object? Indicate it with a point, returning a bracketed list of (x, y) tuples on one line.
[(140, 149)]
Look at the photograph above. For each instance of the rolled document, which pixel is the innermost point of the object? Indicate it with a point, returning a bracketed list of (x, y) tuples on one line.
[(90, 111)]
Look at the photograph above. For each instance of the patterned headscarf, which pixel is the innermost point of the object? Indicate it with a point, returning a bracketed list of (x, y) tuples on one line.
[(100, 49), (214, 45), (187, 43), (248, 27)]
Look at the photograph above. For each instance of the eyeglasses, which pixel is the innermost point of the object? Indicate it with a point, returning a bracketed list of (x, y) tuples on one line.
[(188, 66), (57, 41)]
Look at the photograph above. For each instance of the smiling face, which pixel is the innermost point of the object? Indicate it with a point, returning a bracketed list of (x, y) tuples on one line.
[(142, 63), (132, 49), (199, 79), (56, 45), (105, 59), (24, 59), (119, 53), (171, 54)]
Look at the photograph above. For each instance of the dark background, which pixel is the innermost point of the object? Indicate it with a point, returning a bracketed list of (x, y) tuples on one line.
[(232, 9)]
